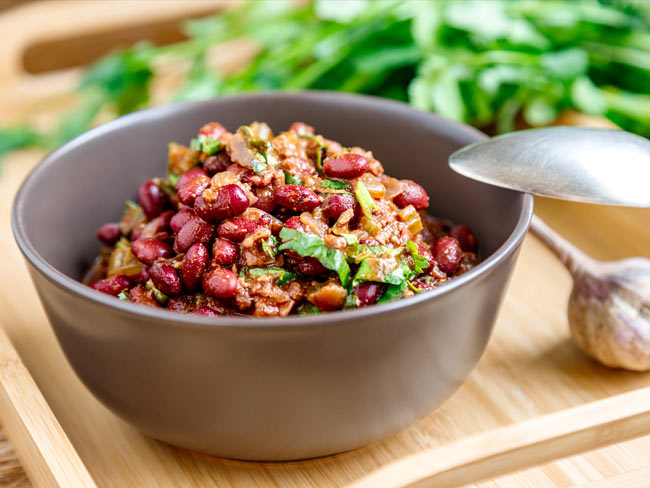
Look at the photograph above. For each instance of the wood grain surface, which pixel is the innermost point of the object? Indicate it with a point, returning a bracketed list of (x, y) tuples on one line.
[(531, 367)]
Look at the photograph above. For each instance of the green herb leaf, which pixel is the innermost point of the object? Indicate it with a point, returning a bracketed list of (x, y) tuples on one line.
[(420, 261), (206, 145), (335, 184), (123, 295), (313, 246), (160, 296), (307, 309), (393, 292), (289, 179), (283, 275), (270, 246), (173, 179)]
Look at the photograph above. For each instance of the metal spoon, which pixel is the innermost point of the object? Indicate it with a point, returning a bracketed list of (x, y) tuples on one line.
[(604, 166), (609, 307)]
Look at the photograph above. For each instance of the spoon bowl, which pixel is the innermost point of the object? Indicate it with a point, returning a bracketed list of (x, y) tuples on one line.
[(610, 167)]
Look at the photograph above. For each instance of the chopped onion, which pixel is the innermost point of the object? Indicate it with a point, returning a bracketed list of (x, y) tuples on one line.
[(393, 187), (411, 217)]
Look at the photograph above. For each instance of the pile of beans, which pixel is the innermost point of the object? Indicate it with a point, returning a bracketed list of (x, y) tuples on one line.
[(255, 224)]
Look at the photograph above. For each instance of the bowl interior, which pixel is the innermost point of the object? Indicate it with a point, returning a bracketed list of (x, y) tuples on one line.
[(85, 183)]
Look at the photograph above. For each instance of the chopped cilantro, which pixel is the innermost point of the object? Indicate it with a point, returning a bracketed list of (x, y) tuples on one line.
[(313, 246)]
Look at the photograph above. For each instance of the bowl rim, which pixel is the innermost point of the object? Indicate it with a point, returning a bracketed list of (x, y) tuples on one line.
[(82, 291)]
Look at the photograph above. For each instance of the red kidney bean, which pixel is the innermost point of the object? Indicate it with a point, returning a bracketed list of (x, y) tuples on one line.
[(296, 198), (448, 254), (195, 230), (311, 267), (266, 203), (348, 165), (294, 223), (194, 265), (180, 219), (141, 295), (217, 163), (214, 130), (340, 202), (301, 128), (220, 283), (224, 252), (206, 311), (165, 277), (423, 251), (465, 237), (413, 194), (148, 250), (237, 229), (224, 203), (368, 293), (143, 277), (193, 188), (113, 285), (109, 233), (137, 231), (190, 174), (152, 199)]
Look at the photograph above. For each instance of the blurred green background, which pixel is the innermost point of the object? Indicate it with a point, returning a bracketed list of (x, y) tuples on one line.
[(496, 64)]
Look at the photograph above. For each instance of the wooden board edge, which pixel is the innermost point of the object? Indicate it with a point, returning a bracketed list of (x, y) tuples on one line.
[(38, 439), (523, 445)]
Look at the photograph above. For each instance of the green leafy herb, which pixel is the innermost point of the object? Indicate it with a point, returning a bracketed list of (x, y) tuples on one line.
[(206, 145), (160, 296), (393, 292), (289, 179), (370, 270), (421, 262), (270, 246), (307, 309), (173, 179), (310, 245), (123, 295), (335, 184), (283, 275), (487, 63)]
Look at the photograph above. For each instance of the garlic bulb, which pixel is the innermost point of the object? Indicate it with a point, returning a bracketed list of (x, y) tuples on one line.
[(609, 314), (609, 307)]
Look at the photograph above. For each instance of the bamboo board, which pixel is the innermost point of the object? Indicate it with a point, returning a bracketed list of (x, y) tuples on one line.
[(64, 437)]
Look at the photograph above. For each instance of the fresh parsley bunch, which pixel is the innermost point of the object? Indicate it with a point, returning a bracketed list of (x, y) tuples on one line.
[(483, 62)]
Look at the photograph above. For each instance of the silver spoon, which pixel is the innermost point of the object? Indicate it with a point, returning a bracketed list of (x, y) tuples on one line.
[(609, 307)]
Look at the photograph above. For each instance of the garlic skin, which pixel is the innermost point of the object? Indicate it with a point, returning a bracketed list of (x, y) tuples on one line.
[(609, 313)]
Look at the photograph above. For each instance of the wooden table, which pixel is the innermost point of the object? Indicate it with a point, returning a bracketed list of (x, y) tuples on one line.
[(508, 385)]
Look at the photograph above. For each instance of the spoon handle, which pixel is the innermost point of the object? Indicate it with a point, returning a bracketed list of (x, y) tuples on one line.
[(573, 258)]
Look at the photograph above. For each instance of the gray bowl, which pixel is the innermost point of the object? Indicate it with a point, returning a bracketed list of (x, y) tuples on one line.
[(265, 389)]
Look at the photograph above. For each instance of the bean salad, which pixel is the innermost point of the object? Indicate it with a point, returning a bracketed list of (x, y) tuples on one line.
[(252, 223)]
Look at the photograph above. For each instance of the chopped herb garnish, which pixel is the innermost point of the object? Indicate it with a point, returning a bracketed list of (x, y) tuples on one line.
[(308, 309), (284, 276), (206, 145), (369, 270), (313, 246), (319, 150), (350, 301), (160, 296), (123, 243), (335, 184), (259, 163), (123, 295), (393, 292), (413, 287), (173, 179), (270, 246), (289, 179), (421, 263)]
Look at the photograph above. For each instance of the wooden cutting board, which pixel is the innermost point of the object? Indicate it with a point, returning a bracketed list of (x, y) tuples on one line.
[(64, 437)]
